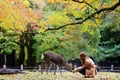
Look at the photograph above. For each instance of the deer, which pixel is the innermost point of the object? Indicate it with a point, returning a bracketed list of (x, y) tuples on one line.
[(50, 57)]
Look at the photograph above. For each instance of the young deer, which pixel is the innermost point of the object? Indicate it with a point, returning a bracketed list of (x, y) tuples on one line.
[(57, 59)]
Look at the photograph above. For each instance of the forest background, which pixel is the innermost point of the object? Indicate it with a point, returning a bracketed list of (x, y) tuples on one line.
[(28, 28)]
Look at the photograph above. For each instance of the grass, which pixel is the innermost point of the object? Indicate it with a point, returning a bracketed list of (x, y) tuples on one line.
[(65, 76)]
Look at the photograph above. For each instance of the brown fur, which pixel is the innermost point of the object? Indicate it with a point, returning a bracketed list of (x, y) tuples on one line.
[(87, 64), (56, 59)]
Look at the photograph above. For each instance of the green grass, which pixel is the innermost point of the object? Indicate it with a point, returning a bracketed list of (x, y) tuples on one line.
[(65, 76)]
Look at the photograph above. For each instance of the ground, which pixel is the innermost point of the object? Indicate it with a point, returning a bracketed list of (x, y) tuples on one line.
[(30, 75)]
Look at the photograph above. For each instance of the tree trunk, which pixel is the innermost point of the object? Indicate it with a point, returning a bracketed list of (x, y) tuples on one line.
[(22, 51), (21, 55), (31, 59), (29, 44), (29, 41)]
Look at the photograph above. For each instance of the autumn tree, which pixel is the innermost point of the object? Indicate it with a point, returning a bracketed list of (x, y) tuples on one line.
[(15, 16)]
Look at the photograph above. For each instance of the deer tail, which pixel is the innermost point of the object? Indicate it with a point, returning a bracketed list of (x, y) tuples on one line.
[(42, 56)]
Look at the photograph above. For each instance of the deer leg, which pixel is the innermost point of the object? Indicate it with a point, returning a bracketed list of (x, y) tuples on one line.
[(60, 67), (55, 69), (47, 66), (50, 67), (42, 67)]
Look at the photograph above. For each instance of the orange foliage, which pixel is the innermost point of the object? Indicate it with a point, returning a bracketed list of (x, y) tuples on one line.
[(15, 15)]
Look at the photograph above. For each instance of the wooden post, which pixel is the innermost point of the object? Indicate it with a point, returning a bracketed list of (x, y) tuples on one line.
[(112, 67), (39, 67), (21, 67), (4, 67)]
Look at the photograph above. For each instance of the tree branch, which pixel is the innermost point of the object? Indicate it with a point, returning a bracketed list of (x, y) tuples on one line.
[(85, 3), (97, 12)]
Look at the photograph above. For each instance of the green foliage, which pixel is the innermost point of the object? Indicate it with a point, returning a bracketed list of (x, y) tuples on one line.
[(69, 41), (110, 40), (45, 42), (69, 46), (7, 44)]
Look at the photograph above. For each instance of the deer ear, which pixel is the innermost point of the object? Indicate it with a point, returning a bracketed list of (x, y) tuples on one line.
[(42, 56)]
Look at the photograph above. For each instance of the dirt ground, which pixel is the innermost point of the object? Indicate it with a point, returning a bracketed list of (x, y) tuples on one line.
[(36, 75), (99, 76)]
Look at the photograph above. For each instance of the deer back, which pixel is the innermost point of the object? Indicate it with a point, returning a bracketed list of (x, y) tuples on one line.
[(55, 58)]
